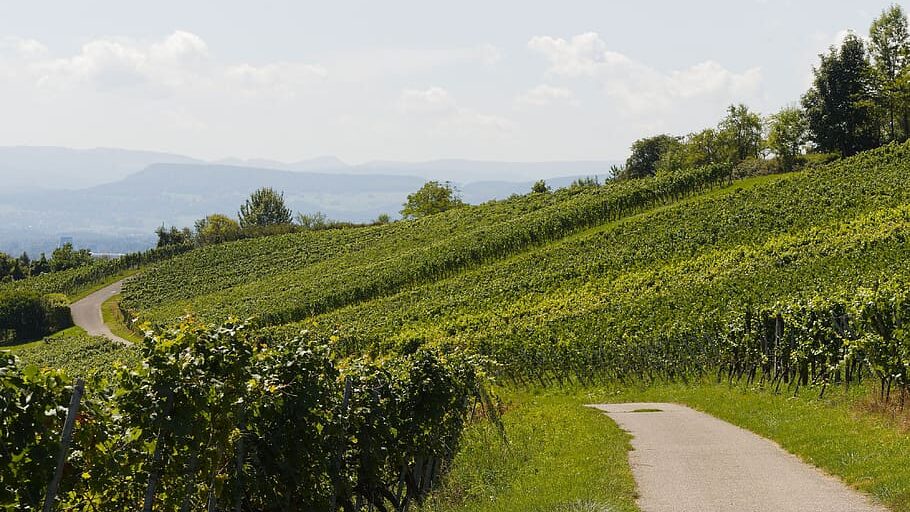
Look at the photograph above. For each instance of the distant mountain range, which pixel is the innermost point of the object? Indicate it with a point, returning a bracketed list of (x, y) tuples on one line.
[(111, 200), (44, 167)]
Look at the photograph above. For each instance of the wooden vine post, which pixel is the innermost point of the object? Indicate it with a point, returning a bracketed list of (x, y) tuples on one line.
[(158, 454), (336, 464), (65, 439)]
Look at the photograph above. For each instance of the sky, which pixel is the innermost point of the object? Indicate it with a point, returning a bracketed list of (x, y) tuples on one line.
[(513, 80)]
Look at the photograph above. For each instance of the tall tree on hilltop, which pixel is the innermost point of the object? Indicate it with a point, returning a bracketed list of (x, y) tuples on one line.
[(173, 236), (647, 153), (839, 106), (265, 207), (40, 266), (216, 229), (889, 48), (787, 135), (705, 147), (433, 197), (17, 273), (741, 130), (66, 257), (6, 266)]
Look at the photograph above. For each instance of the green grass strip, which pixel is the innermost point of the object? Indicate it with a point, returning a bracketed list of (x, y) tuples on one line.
[(560, 456), (110, 314)]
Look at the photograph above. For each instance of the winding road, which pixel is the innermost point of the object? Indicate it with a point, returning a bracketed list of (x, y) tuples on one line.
[(87, 313), (684, 460)]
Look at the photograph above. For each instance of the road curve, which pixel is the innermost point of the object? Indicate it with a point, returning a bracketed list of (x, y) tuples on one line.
[(87, 313), (684, 460)]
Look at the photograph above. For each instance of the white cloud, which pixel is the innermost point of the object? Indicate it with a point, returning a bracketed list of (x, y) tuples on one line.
[(179, 62), (546, 94), (104, 63), (447, 117), (283, 79), (433, 100), (180, 48), (709, 77), (584, 55), (22, 47), (637, 87)]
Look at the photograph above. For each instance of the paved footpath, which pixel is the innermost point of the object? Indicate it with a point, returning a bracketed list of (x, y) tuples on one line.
[(684, 460), (87, 313)]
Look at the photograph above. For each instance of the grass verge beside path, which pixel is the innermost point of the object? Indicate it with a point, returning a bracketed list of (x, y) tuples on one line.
[(560, 457), (85, 292), (110, 315), (868, 450)]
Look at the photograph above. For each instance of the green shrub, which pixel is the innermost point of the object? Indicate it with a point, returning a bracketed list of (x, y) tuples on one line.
[(813, 160), (755, 167), (24, 313), (57, 313), (219, 417)]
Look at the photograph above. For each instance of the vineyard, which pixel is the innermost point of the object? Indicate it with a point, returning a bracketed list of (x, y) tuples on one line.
[(368, 350), (310, 274), (75, 279), (629, 280), (582, 325), (77, 354), (34, 307), (568, 307), (220, 419)]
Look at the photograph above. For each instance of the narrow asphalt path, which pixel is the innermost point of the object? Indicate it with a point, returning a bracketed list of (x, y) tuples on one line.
[(87, 313), (684, 460)]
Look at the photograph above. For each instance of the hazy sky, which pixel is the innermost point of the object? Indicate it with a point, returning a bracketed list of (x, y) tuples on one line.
[(403, 80)]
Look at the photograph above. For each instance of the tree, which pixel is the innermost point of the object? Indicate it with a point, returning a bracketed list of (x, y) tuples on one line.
[(646, 153), (585, 182), (696, 150), (889, 48), (40, 266), (17, 273), (839, 106), (173, 236), (433, 197), (65, 257), (216, 229), (705, 147), (674, 158), (265, 207), (6, 267), (540, 187), (22, 311), (312, 221), (788, 134), (741, 133), (383, 218)]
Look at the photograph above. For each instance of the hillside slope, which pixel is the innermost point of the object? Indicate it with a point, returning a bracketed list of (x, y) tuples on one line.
[(279, 280), (561, 280)]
